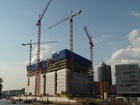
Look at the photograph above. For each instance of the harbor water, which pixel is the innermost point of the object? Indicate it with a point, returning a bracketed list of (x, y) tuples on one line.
[(5, 102)]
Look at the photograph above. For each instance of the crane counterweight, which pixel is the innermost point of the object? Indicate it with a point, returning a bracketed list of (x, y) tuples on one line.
[(23, 44)]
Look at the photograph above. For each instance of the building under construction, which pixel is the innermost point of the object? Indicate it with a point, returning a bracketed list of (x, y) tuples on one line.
[(58, 75)]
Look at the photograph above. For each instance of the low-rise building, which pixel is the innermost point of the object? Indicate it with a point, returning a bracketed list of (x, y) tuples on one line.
[(16, 92)]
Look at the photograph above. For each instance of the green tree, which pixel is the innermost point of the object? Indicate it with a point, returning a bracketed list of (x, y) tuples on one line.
[(1, 80)]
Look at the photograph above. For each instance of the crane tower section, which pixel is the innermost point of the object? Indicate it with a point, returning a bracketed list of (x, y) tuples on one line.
[(70, 18), (91, 52), (37, 80), (30, 53)]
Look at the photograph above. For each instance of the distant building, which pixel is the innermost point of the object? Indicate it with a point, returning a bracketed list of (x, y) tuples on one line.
[(104, 79), (13, 93), (104, 73), (128, 79)]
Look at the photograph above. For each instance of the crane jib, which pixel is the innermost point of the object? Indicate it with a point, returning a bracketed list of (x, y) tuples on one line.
[(65, 19)]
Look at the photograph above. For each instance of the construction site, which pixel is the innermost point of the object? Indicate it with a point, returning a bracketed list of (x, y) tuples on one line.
[(65, 74), (79, 68), (65, 77), (65, 71)]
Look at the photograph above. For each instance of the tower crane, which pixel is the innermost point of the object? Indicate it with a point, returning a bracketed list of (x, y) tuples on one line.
[(37, 80), (91, 51), (71, 42), (30, 53)]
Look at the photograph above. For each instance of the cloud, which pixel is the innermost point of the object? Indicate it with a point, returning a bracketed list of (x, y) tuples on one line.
[(130, 54), (45, 52), (126, 55), (97, 41), (135, 13), (101, 39), (134, 37), (105, 39)]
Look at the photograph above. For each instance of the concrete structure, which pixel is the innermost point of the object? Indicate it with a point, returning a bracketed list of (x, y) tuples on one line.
[(128, 79), (55, 76)]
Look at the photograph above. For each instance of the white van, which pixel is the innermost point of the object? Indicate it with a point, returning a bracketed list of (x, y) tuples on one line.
[(120, 98)]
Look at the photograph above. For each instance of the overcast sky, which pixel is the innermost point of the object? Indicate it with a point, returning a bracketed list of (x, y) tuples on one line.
[(113, 24)]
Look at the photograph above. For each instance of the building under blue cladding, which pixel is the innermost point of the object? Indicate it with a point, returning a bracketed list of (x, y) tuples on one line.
[(63, 54)]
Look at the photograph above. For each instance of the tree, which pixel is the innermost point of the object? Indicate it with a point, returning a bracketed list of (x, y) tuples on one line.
[(1, 80)]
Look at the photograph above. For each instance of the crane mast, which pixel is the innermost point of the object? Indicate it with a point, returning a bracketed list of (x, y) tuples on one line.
[(37, 80), (30, 54), (91, 52), (71, 53), (30, 57), (71, 43)]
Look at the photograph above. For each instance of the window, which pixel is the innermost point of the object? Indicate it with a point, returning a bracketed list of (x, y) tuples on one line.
[(132, 72), (126, 81), (135, 81), (128, 85), (126, 73), (121, 85), (134, 89), (132, 76), (131, 67)]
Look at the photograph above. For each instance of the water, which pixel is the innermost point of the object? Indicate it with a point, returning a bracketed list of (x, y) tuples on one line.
[(5, 102)]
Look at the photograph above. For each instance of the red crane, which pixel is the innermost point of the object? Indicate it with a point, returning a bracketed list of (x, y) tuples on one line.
[(37, 80), (91, 52), (71, 43)]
